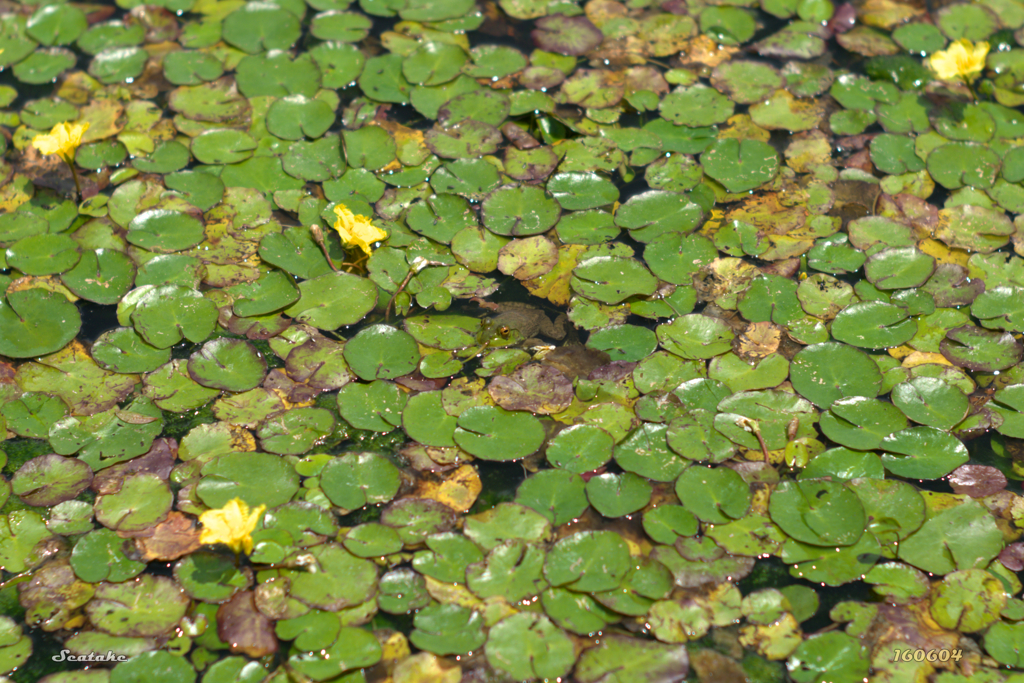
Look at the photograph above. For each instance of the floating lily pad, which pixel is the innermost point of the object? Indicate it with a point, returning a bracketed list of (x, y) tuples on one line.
[(492, 433), (566, 35), (874, 325), (34, 322), (740, 165)]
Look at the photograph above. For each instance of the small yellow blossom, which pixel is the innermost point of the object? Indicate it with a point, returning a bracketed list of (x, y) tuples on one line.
[(963, 59), (231, 525), (357, 230), (64, 139)]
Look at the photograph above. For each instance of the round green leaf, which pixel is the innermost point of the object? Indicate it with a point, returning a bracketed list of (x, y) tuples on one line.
[(617, 495), (713, 494), (588, 561), (874, 325), (491, 433), (740, 165), (922, 453), (818, 512), (382, 352), (34, 322), (529, 646), (228, 364)]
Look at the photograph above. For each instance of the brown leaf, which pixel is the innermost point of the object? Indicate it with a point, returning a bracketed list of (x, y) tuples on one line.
[(713, 667), (1012, 557), (158, 460), (53, 595), (616, 371), (541, 389), (576, 361), (245, 628), (417, 382), (913, 625), (288, 389), (758, 340), (172, 538), (977, 481), (432, 458), (458, 490)]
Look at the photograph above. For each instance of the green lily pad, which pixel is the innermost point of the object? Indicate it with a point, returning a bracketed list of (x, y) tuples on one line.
[(963, 536), (980, 350), (818, 512), (829, 655), (332, 300), (617, 495), (149, 606), (355, 480), (975, 228), (434, 63), (580, 448), (296, 117), (296, 431), (340, 63), (715, 495), (695, 336), (558, 495), (958, 164), (874, 325), (519, 211), (930, 402), (463, 140), (529, 646), (777, 416), (579, 191), (347, 27), (231, 476), (382, 352), (166, 315), (401, 591), (860, 422), (165, 231), (922, 453), (262, 26), (101, 555), (740, 165), (34, 322), (695, 106), (447, 629), (491, 433), (354, 648), (588, 561), (50, 479), (56, 25), (228, 364), (32, 414), (620, 659), (612, 279), (43, 254), (651, 214), (727, 25)]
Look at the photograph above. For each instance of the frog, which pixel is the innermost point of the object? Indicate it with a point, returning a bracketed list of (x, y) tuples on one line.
[(520, 323)]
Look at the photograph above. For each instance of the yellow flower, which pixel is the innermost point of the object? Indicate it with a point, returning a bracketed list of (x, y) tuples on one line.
[(231, 525), (64, 139), (963, 59), (357, 230)]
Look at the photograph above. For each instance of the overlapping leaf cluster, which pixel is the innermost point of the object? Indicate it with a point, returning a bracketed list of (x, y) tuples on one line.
[(799, 287)]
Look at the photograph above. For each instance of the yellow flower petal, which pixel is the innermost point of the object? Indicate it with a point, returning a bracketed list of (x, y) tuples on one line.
[(64, 139), (231, 525), (962, 59), (357, 231)]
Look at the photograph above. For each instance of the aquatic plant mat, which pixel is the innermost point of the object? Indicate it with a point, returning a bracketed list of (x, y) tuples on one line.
[(419, 341)]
